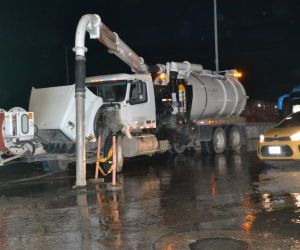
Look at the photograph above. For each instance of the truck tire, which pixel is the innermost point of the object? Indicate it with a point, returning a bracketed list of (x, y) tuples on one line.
[(218, 143), (234, 138), (219, 140), (120, 159), (197, 147), (178, 148)]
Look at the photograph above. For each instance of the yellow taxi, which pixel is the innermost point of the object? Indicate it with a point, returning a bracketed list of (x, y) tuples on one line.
[(281, 142)]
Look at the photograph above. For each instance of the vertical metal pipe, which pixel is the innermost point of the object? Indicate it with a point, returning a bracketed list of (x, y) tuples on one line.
[(216, 36), (80, 121), (87, 23), (114, 173), (98, 157), (174, 87)]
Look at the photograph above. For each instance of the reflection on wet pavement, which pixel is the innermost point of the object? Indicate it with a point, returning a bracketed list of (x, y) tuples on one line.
[(166, 202)]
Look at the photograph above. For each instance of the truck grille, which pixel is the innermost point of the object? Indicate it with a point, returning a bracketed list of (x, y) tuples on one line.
[(285, 151), (284, 138)]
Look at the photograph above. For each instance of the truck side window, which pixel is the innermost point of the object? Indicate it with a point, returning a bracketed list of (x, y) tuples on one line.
[(138, 93)]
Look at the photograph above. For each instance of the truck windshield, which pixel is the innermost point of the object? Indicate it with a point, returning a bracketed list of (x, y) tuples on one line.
[(292, 120), (110, 91)]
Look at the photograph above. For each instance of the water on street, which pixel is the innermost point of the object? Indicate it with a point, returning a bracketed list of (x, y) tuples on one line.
[(189, 201)]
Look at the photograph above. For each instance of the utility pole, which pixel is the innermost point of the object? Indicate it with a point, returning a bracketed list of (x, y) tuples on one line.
[(216, 36)]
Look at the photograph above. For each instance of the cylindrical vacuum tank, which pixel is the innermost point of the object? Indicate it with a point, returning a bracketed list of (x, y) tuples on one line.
[(216, 96)]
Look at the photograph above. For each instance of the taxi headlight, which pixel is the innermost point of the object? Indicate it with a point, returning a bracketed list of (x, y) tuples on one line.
[(261, 138), (295, 137)]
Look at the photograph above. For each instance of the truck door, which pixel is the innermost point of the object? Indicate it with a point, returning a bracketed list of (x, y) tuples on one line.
[(140, 108)]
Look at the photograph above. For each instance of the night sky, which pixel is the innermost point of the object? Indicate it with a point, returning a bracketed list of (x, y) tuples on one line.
[(261, 38)]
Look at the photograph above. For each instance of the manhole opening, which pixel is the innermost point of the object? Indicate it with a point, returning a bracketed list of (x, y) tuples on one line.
[(218, 243)]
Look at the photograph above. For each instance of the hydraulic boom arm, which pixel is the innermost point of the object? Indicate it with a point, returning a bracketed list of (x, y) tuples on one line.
[(116, 46)]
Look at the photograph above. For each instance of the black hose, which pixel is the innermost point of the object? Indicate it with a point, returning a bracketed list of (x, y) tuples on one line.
[(80, 74)]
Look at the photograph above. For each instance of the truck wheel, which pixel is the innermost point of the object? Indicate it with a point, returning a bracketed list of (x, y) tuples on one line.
[(219, 140), (120, 159), (178, 148), (197, 146), (234, 139)]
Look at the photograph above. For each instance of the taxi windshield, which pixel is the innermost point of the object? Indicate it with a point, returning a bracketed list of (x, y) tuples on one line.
[(292, 120)]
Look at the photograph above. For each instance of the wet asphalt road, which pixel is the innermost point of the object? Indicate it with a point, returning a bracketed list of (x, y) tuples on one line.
[(184, 202)]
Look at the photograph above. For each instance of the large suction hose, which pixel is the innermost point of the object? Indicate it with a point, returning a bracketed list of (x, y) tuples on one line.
[(87, 23)]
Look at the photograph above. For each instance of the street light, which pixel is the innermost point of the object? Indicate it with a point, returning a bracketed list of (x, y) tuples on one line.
[(216, 36)]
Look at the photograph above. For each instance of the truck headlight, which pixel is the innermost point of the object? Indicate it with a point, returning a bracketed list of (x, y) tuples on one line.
[(295, 137), (261, 138)]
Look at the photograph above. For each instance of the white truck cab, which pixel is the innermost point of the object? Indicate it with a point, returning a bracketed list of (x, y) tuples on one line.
[(133, 93)]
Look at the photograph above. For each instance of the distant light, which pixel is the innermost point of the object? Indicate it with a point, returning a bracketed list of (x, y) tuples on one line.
[(259, 105), (276, 106)]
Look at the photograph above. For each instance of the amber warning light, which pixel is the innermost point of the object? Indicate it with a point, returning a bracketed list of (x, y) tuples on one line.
[(162, 76), (237, 74), (233, 73)]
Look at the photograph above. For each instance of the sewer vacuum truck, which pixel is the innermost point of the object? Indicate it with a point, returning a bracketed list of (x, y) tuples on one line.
[(174, 106)]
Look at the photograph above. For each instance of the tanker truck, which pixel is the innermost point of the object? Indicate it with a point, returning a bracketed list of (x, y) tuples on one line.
[(174, 106), (201, 112)]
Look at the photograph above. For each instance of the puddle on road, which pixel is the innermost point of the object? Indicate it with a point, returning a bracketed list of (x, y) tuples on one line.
[(278, 193), (161, 195), (219, 243), (279, 187)]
